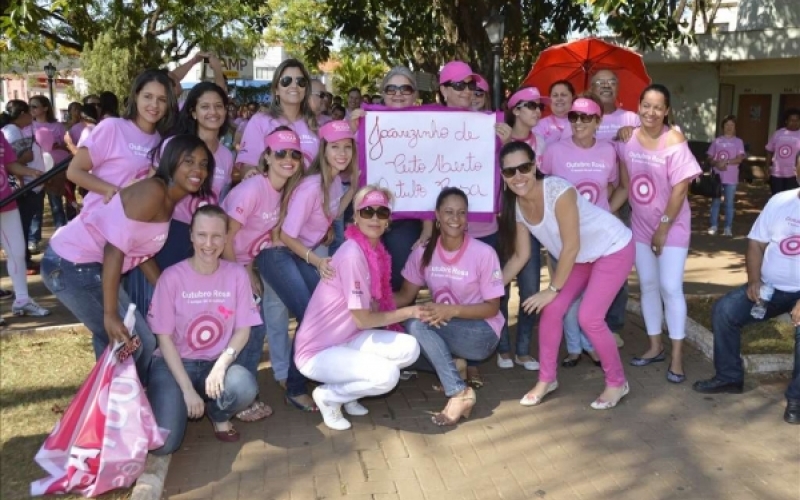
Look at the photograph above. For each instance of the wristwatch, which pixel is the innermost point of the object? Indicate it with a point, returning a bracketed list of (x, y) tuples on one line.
[(665, 219), (553, 289), (230, 351)]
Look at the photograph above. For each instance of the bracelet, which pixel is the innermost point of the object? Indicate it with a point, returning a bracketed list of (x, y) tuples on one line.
[(307, 253)]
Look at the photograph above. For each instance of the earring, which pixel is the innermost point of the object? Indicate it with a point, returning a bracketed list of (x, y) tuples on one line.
[(438, 225)]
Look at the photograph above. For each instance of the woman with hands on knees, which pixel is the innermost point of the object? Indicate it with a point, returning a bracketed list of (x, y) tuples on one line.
[(201, 313), (465, 280), (343, 340), (595, 252), (84, 263)]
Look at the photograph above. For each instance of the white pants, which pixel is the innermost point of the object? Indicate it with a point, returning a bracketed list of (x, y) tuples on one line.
[(661, 279), (368, 365), (13, 241)]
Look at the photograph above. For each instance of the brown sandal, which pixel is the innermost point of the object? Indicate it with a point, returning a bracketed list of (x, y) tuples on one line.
[(257, 411)]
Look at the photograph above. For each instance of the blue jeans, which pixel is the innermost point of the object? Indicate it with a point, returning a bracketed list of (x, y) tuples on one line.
[(462, 338), (528, 282), (177, 248), (169, 409), (729, 192), (80, 288), (732, 312), (338, 236), (56, 210), (29, 205), (398, 240)]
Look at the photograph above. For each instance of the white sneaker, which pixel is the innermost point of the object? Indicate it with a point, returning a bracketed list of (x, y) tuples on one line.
[(712, 231), (727, 232), (331, 412), (30, 308), (355, 409), (530, 365), (504, 363)]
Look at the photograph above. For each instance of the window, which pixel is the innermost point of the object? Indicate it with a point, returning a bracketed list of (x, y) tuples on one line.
[(265, 73)]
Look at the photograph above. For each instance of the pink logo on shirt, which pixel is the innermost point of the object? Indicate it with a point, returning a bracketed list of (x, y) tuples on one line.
[(444, 296), (589, 190), (226, 313), (790, 246), (201, 201), (204, 332), (722, 155), (137, 261), (784, 151), (643, 190), (261, 243)]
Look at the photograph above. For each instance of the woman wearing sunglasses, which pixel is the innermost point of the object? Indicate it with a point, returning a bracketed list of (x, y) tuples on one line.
[(480, 96), (591, 166), (555, 126), (293, 267), (343, 340), (465, 280), (254, 208), (288, 106), (595, 251)]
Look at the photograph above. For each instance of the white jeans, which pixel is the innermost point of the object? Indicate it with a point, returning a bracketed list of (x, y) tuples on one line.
[(13, 241), (661, 279), (368, 365)]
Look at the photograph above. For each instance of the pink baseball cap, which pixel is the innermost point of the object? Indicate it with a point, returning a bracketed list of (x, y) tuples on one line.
[(282, 139), (455, 71), (336, 131), (586, 106), (481, 83), (525, 95), (374, 199)]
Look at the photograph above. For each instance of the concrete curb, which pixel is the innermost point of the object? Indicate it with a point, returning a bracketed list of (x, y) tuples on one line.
[(150, 484), (703, 340)]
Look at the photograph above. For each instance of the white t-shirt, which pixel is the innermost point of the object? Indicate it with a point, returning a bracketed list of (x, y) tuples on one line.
[(779, 227)]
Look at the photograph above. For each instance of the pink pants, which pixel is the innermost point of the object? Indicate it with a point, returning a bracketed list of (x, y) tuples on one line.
[(599, 281)]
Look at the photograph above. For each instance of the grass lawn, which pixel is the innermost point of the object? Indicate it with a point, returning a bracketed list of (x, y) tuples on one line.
[(767, 337), (39, 375)]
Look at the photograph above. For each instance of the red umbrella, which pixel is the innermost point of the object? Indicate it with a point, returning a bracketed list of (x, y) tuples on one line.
[(577, 61)]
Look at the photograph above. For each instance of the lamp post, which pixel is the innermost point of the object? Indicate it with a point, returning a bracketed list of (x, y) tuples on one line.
[(495, 26), (50, 71)]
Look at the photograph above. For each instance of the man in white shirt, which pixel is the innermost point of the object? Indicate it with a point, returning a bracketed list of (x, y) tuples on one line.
[(773, 259)]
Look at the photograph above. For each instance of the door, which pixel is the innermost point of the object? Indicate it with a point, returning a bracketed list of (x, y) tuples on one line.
[(788, 101), (724, 104), (753, 122)]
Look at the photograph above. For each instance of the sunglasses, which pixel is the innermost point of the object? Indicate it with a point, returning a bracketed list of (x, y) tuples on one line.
[(282, 153), (460, 86), (479, 93), (532, 105), (524, 168), (33, 106), (321, 95), (398, 89), (368, 212), (574, 116), (299, 80)]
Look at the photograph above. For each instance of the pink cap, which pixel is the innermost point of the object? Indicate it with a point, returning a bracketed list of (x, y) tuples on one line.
[(374, 199), (482, 83), (336, 131), (283, 139), (525, 95), (455, 71), (586, 106)]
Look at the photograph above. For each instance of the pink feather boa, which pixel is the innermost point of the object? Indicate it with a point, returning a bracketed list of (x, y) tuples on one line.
[(380, 271)]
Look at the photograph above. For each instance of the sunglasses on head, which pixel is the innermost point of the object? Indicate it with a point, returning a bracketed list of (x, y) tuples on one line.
[(524, 168), (282, 153), (398, 89), (459, 86), (532, 105), (574, 116), (287, 80), (368, 212)]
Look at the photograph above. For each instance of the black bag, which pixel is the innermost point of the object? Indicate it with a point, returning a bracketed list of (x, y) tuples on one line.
[(708, 184)]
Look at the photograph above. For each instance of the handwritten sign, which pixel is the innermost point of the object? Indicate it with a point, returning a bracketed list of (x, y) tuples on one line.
[(417, 153)]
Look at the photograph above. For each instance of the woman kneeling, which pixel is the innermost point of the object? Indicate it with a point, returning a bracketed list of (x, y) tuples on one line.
[(201, 313)]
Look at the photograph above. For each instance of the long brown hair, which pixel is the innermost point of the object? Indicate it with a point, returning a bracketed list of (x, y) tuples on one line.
[(275, 109), (508, 214), (291, 183), (427, 255), (321, 167)]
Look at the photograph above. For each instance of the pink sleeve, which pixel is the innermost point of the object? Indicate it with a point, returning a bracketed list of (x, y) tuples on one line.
[(301, 203), (712, 149), (100, 141), (353, 274), (682, 165), (739, 147), (252, 144), (161, 316), (239, 204), (546, 166), (247, 311), (490, 276), (411, 270), (771, 144), (9, 155)]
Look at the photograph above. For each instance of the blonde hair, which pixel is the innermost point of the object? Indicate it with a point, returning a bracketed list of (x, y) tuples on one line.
[(364, 191), (321, 167)]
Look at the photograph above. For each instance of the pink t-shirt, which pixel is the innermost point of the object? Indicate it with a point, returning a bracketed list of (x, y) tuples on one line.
[(305, 218), (85, 133), (553, 129), (58, 132), (7, 155), (470, 275), (256, 205), (260, 126), (201, 311), (328, 321), (44, 138), (611, 123), (120, 155), (784, 144), (75, 132), (83, 239), (590, 170), (725, 148), (223, 166), (652, 175)]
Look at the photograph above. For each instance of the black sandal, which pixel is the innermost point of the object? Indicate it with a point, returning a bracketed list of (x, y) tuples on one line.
[(570, 362)]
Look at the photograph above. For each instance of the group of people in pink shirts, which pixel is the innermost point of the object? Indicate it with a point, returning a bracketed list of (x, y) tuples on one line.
[(216, 249)]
